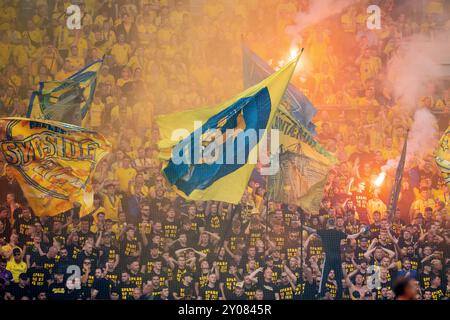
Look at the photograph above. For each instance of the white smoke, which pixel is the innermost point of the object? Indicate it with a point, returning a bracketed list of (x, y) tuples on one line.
[(417, 64), (318, 10)]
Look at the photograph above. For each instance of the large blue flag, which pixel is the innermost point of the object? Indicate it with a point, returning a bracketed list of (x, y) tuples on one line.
[(294, 101)]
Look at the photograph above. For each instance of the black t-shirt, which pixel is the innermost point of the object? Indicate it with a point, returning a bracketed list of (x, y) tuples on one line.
[(305, 290), (83, 236), (250, 292), (113, 278), (269, 289), (103, 286), (214, 223), (18, 291), (178, 273), (170, 229), (235, 297), (286, 291), (437, 293), (48, 263), (137, 279), (208, 293), (197, 223), (204, 249), (185, 292), (73, 250), (38, 279), (62, 238), (58, 291), (222, 265), (21, 226), (229, 281), (107, 252), (128, 247), (148, 261), (34, 254), (93, 257), (331, 242), (125, 290)]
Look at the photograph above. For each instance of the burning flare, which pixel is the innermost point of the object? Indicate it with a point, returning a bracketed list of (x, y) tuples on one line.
[(380, 179)]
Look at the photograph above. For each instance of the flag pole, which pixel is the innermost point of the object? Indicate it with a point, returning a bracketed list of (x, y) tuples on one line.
[(395, 193)]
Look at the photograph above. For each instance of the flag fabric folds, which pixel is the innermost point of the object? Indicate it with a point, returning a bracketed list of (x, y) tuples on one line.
[(53, 162), (304, 166), (395, 193), (294, 101), (443, 156), (66, 100), (254, 109)]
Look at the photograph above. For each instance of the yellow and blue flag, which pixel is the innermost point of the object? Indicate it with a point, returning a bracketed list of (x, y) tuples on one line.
[(66, 100), (443, 156), (223, 180), (294, 102), (53, 162)]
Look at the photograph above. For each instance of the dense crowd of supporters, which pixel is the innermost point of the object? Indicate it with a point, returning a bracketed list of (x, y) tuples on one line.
[(142, 241)]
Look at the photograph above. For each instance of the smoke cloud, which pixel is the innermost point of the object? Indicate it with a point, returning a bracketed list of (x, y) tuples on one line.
[(318, 10), (417, 64)]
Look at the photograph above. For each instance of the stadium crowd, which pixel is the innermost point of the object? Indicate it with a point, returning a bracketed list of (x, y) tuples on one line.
[(142, 241)]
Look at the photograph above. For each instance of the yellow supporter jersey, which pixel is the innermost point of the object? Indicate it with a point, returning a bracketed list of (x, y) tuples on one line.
[(389, 154), (376, 205), (121, 53), (111, 205), (16, 269), (420, 205), (76, 62), (95, 114), (5, 52), (124, 176), (144, 191), (21, 54)]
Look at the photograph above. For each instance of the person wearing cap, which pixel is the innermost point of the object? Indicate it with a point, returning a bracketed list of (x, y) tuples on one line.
[(16, 265), (331, 242)]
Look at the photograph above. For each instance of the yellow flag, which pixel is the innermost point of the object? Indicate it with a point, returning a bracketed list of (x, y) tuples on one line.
[(443, 156), (53, 162)]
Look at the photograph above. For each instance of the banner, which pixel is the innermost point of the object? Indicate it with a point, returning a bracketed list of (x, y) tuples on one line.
[(52, 161), (304, 166), (443, 156)]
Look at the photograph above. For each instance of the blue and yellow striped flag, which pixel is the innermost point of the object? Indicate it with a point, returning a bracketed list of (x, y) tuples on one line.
[(222, 180), (443, 156), (66, 100)]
